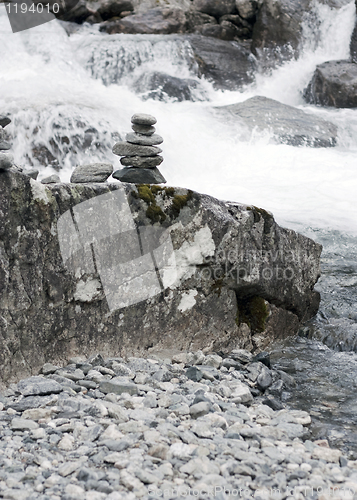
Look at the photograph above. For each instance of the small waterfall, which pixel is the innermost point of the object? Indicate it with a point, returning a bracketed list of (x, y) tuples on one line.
[(120, 59), (326, 34)]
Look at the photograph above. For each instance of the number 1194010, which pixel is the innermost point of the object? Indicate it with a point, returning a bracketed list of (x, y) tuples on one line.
[(33, 8)]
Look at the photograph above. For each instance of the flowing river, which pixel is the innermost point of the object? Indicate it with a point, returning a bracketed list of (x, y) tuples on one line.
[(62, 91)]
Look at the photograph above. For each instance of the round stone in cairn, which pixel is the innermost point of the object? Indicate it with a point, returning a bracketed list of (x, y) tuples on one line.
[(143, 129), (141, 161), (143, 119), (140, 175), (4, 120), (4, 145), (144, 140), (127, 149)]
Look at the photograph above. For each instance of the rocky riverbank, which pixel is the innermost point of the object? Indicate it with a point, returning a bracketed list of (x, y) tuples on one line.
[(190, 425)]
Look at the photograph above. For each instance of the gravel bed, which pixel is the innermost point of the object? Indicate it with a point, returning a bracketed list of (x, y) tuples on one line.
[(192, 426)]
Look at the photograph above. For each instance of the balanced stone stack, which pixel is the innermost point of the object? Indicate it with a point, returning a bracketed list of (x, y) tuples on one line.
[(6, 160), (140, 154)]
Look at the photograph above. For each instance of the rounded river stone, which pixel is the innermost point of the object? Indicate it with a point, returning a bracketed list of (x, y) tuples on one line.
[(127, 149), (139, 175), (141, 161), (143, 129), (144, 140), (143, 119)]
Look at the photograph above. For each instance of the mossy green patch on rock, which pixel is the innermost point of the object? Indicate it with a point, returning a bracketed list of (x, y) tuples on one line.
[(145, 193), (155, 213), (253, 311), (179, 201), (149, 193)]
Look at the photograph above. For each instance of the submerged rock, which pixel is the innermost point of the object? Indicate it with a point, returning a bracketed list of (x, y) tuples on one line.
[(289, 125), (278, 29), (173, 269), (334, 83), (160, 86)]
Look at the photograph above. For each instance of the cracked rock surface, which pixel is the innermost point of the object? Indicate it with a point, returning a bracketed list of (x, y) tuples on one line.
[(225, 275)]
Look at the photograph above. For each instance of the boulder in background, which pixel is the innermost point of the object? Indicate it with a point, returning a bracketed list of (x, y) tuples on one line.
[(288, 125), (334, 83)]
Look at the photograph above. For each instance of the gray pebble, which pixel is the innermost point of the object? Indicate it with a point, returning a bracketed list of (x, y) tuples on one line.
[(141, 161), (129, 438), (144, 140), (118, 386), (140, 175), (143, 119), (143, 129), (128, 149)]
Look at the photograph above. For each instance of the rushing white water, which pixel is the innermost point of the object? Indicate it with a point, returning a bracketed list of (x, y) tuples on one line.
[(52, 85), (68, 93)]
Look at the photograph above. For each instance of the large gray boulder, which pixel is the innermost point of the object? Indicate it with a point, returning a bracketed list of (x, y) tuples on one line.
[(278, 29), (153, 22), (216, 8), (334, 83), (113, 8), (287, 124), (160, 86), (229, 65), (353, 42), (122, 269)]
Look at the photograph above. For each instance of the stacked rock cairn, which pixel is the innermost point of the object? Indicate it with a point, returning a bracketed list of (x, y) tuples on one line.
[(140, 154), (6, 159)]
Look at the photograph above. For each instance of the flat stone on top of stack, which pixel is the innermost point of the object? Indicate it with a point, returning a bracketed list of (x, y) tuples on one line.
[(140, 154), (6, 159)]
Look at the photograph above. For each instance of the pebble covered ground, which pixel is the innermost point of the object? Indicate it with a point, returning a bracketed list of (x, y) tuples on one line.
[(192, 426)]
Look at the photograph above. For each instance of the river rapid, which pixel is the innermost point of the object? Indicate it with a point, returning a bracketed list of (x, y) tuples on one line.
[(62, 90)]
